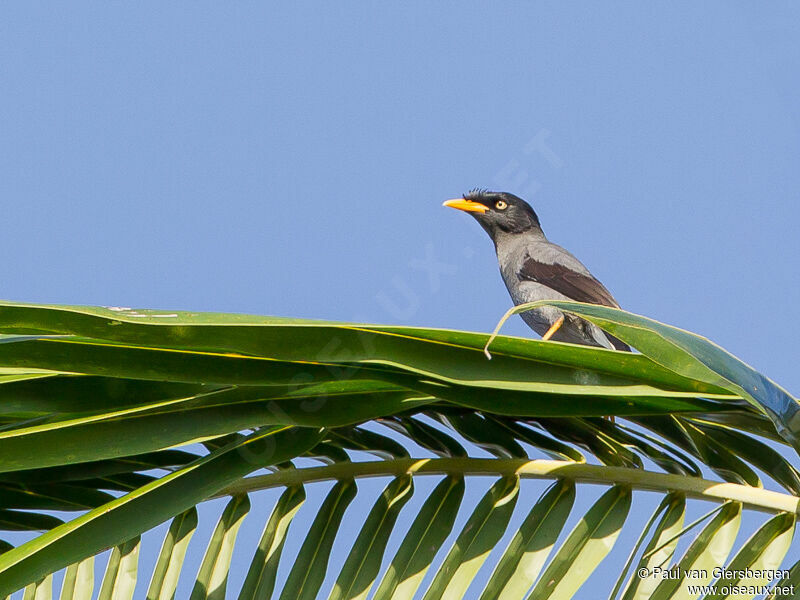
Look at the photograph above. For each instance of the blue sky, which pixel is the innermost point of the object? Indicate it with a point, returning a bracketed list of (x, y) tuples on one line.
[(291, 159)]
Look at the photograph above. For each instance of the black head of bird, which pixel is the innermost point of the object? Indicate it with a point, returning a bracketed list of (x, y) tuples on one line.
[(498, 212)]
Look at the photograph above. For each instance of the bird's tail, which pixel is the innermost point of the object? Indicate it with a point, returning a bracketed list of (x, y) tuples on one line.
[(617, 343)]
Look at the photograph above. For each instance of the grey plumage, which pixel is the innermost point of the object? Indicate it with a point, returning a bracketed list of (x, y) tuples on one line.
[(533, 268)]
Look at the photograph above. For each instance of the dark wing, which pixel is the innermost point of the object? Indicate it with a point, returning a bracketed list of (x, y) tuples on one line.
[(574, 285), (561, 278)]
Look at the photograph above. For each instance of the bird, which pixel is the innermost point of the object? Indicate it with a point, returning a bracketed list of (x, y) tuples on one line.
[(534, 268)]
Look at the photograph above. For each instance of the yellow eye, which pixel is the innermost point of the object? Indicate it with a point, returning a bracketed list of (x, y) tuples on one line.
[(500, 205)]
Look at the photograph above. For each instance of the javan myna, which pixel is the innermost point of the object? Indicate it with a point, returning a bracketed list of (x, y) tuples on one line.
[(534, 268)]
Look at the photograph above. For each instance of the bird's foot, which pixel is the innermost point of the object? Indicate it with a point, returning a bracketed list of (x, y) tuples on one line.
[(553, 328)]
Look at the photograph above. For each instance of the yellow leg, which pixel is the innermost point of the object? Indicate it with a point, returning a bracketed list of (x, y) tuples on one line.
[(553, 328)]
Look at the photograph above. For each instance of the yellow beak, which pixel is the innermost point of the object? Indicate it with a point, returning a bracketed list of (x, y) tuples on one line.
[(466, 205)]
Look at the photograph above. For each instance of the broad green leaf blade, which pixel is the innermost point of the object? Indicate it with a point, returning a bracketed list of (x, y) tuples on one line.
[(708, 550), (119, 581), (361, 567), (528, 550), (530, 393), (592, 401), (456, 354), (308, 571), (481, 533), (78, 581), (212, 579), (763, 552), (79, 393), (587, 545), (103, 359), (693, 356), (144, 429), (19, 520), (11, 375), (56, 496), (426, 535), (659, 550), (164, 581), (78, 473), (260, 580), (150, 505)]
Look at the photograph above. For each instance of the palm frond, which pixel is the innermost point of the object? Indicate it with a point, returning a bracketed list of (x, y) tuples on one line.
[(114, 421)]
